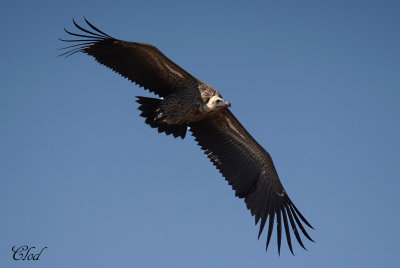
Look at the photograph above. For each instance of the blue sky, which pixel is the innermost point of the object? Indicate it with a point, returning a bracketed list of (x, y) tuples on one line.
[(315, 82)]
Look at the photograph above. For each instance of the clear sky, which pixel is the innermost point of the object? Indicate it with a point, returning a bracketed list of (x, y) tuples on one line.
[(315, 82)]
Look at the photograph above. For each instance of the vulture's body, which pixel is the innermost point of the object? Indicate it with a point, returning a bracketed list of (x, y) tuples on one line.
[(187, 102)]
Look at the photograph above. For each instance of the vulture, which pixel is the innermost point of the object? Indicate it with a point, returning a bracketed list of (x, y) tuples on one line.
[(187, 103)]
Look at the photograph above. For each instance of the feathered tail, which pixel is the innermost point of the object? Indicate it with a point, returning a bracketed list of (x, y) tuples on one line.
[(150, 108)]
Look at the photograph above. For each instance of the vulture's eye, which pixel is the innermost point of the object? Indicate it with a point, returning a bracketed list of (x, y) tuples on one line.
[(218, 101)]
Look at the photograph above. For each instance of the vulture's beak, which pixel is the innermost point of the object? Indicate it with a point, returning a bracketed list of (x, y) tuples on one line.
[(227, 104)]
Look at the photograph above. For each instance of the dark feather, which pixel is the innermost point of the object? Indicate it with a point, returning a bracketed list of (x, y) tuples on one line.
[(149, 108), (249, 169), (287, 231), (141, 63)]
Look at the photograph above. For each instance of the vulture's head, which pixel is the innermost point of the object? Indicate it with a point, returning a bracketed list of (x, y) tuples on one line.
[(215, 103)]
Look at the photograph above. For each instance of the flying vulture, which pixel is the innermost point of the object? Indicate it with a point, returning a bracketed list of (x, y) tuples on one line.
[(186, 103)]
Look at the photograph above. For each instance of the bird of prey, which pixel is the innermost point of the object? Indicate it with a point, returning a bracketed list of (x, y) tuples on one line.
[(187, 103)]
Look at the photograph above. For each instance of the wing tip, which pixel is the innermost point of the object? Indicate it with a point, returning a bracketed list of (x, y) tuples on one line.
[(291, 219), (86, 38)]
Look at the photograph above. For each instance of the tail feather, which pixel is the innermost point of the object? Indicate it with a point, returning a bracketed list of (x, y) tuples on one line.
[(150, 111)]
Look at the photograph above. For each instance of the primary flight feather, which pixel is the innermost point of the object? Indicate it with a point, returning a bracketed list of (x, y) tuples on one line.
[(186, 102)]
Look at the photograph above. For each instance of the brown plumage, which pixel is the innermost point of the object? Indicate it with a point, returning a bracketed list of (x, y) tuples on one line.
[(188, 102)]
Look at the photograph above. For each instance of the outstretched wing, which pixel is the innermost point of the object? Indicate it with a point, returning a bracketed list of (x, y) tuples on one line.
[(141, 63), (249, 169)]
